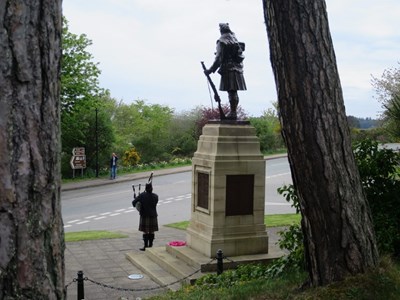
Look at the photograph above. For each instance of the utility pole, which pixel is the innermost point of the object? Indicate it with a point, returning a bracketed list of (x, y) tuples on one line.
[(97, 146)]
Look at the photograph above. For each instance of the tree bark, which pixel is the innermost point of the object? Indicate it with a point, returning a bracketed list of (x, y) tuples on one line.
[(31, 228), (336, 222)]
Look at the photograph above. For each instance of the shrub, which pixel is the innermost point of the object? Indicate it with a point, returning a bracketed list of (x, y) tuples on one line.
[(291, 240), (230, 278), (131, 157), (379, 171)]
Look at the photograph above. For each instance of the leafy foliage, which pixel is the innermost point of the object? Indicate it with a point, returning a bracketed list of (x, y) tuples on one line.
[(382, 282), (388, 85), (79, 130), (183, 134), (85, 115), (362, 123), (379, 171), (379, 134), (291, 240), (388, 91), (268, 130), (145, 127), (130, 157), (79, 74), (392, 114), (290, 194), (212, 113), (243, 273)]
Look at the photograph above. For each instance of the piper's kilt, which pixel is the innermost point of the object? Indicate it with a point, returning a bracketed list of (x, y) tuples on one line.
[(148, 224)]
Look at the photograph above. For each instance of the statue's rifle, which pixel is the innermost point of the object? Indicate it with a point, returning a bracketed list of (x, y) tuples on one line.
[(216, 96)]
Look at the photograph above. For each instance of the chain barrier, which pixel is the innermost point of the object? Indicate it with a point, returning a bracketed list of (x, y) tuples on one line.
[(80, 280), (228, 259), (137, 290), (72, 281)]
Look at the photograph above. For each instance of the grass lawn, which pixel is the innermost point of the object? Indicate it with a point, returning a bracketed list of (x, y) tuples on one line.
[(92, 235), (269, 220)]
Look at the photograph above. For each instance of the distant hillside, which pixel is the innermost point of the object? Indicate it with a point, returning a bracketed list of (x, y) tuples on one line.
[(363, 123)]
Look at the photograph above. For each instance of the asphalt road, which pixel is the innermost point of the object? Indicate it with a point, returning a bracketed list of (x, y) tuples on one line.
[(108, 207)]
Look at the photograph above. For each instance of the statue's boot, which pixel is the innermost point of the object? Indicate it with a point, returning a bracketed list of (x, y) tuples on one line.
[(233, 101)]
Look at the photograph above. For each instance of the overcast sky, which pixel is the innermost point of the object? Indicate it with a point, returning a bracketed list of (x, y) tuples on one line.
[(151, 49)]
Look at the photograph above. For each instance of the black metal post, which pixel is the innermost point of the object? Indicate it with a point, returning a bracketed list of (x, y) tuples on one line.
[(97, 146), (80, 286), (220, 264)]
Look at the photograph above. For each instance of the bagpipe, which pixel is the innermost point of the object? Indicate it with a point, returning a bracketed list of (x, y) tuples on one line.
[(138, 204)]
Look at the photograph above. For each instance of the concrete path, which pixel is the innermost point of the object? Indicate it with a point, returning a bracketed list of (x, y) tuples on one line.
[(106, 267)]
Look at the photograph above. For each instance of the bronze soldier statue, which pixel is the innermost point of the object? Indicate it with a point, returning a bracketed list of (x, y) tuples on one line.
[(229, 62)]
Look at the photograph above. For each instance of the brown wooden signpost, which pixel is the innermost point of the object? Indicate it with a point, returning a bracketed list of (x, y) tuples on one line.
[(78, 160)]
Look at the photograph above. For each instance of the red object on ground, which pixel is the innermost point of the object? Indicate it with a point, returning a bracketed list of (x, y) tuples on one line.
[(177, 243)]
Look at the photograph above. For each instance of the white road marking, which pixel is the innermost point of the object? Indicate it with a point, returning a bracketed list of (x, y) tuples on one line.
[(73, 221), (83, 222), (91, 217)]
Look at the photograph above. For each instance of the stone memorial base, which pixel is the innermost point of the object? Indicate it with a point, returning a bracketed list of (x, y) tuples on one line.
[(228, 191)]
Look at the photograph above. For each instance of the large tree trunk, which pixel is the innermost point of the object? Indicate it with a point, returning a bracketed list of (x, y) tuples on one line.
[(31, 229), (339, 237)]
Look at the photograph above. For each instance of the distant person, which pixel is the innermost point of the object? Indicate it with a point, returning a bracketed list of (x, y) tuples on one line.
[(148, 223), (229, 63), (113, 165)]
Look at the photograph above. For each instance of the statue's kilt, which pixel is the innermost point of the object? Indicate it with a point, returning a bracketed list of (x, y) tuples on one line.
[(232, 81)]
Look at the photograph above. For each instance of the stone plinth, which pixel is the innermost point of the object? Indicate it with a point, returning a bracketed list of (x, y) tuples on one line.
[(228, 191)]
